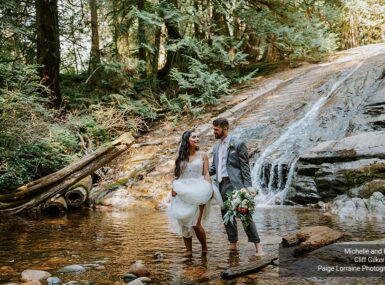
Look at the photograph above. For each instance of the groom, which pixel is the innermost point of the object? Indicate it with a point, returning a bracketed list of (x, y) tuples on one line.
[(231, 167)]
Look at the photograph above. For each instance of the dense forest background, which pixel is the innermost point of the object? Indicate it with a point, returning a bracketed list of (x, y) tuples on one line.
[(75, 73)]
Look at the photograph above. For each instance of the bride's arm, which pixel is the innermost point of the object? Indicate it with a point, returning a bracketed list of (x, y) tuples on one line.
[(206, 173), (173, 193)]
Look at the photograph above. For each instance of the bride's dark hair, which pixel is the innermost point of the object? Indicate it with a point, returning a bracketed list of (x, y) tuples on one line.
[(183, 154)]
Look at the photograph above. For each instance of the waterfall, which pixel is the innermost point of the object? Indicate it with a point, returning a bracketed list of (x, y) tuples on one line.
[(274, 169)]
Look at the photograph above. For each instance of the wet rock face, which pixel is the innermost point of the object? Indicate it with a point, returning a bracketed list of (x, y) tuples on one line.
[(353, 165), (360, 208)]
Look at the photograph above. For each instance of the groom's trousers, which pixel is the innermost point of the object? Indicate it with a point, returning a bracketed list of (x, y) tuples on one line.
[(226, 188)]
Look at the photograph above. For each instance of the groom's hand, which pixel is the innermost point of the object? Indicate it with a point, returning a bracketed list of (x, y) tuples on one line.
[(252, 191)]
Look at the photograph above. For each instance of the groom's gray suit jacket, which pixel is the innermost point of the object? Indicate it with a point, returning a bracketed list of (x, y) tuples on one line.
[(237, 163)]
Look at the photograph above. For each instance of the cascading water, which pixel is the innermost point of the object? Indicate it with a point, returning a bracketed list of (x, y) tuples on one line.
[(275, 168)]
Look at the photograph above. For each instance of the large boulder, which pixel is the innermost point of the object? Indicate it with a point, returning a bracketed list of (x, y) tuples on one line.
[(337, 167), (359, 208)]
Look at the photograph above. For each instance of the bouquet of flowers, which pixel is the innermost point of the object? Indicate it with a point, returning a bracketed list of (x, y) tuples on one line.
[(240, 204)]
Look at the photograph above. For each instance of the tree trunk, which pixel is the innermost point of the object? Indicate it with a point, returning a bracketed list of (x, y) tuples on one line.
[(349, 34), (155, 59), (270, 53), (142, 38), (222, 29), (48, 47), (198, 33), (95, 50), (116, 55), (252, 47), (173, 34)]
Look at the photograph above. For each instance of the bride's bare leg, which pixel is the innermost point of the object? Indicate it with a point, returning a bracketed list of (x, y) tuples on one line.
[(188, 245), (200, 231)]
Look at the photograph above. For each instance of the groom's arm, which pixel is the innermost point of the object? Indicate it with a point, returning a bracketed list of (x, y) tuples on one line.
[(244, 164)]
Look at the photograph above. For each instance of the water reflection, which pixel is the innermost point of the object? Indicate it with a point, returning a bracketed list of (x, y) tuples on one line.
[(116, 239)]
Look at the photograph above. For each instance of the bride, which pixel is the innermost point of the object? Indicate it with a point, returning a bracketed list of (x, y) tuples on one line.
[(191, 192)]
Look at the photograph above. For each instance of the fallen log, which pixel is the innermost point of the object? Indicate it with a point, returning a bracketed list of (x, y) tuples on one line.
[(55, 205), (99, 193), (28, 189), (308, 239), (56, 184), (137, 145), (77, 194), (290, 240), (248, 268)]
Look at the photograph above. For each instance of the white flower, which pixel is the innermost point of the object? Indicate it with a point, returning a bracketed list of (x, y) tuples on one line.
[(244, 204), (236, 202)]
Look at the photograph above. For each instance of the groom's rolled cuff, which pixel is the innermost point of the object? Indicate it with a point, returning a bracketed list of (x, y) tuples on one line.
[(225, 178)]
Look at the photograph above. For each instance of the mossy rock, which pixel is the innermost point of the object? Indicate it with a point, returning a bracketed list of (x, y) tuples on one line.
[(358, 177), (369, 188)]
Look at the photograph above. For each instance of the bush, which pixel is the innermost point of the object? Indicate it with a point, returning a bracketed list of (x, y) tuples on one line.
[(32, 144), (207, 85)]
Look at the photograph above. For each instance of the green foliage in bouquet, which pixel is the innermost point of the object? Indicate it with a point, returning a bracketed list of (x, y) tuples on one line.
[(240, 204)]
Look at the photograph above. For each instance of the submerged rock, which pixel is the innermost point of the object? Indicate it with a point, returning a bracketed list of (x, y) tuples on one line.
[(72, 269), (139, 269), (129, 277), (31, 275), (159, 256), (140, 281), (33, 282), (53, 281)]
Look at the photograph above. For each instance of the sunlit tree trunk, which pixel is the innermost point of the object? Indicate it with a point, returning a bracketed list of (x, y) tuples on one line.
[(252, 46), (270, 53), (155, 59), (48, 47), (198, 33), (142, 38), (95, 50), (349, 33), (116, 54), (173, 34)]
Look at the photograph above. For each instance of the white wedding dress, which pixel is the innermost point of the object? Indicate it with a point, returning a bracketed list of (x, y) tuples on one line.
[(192, 190)]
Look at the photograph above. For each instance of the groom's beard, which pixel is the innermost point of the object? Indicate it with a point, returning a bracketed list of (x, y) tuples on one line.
[(219, 136)]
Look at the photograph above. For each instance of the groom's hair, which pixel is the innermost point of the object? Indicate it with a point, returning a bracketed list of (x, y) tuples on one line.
[(221, 122)]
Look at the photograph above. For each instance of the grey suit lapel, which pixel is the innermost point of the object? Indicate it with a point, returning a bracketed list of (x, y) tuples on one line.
[(228, 148)]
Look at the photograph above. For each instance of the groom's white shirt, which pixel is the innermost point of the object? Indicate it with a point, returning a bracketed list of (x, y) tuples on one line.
[(225, 147)]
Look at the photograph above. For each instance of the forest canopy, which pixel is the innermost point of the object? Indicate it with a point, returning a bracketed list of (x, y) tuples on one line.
[(75, 74)]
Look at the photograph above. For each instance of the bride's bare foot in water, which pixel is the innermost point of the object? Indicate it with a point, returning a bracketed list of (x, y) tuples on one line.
[(187, 254), (233, 247)]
